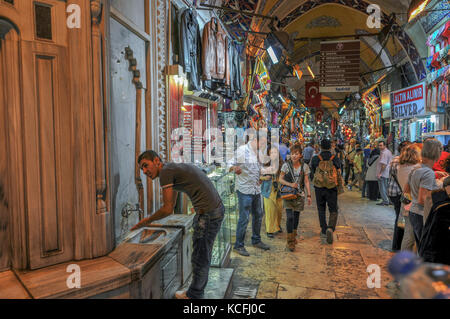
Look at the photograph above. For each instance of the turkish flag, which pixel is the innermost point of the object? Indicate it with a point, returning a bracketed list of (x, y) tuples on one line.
[(312, 96)]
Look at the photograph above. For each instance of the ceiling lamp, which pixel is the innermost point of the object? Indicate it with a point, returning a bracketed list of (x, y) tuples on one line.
[(297, 72), (273, 56), (416, 7), (278, 43)]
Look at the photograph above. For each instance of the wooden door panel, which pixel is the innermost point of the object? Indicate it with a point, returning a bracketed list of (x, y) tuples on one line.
[(4, 212), (49, 169), (48, 150)]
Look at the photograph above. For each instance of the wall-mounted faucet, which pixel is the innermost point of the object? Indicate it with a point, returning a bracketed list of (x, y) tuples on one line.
[(130, 208), (127, 210)]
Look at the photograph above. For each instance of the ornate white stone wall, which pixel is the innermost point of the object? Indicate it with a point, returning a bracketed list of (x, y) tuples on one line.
[(161, 26)]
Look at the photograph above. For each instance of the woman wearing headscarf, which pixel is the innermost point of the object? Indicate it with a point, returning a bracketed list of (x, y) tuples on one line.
[(371, 175)]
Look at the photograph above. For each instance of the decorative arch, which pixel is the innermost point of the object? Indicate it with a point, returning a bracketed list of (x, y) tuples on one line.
[(361, 6), (6, 25)]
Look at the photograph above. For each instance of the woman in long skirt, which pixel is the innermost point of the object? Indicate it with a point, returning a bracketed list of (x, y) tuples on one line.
[(371, 175), (273, 205)]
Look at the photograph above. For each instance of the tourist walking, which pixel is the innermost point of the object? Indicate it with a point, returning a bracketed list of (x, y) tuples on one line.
[(358, 163), (273, 205), (421, 182), (247, 168), (394, 192), (371, 175), (383, 172), (294, 173), (308, 153), (325, 168), (408, 161), (350, 155)]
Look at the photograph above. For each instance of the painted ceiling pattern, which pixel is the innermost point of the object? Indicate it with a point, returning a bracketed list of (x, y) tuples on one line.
[(361, 6), (323, 22), (300, 8)]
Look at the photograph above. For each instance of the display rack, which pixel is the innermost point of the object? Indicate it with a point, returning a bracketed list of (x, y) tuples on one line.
[(224, 183)]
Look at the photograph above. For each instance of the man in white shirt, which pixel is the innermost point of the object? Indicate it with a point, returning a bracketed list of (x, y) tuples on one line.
[(383, 172), (247, 168)]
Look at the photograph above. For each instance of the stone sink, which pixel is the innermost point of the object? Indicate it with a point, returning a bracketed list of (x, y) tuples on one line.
[(147, 235)]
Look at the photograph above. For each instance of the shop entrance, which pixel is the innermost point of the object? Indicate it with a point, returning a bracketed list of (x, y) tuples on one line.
[(36, 169)]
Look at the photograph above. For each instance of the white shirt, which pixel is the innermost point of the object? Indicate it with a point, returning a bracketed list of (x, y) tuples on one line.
[(248, 181)]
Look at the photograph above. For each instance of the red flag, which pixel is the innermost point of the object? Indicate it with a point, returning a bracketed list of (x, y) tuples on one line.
[(312, 96)]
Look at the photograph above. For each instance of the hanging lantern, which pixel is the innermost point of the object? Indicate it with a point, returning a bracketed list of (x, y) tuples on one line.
[(319, 116)]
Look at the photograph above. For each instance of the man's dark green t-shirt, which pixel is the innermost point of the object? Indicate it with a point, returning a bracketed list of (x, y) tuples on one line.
[(191, 180)]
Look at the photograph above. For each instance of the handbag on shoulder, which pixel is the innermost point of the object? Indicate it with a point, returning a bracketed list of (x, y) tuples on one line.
[(403, 198), (287, 192)]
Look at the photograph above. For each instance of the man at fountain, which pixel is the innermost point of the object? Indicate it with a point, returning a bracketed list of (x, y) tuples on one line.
[(187, 178)]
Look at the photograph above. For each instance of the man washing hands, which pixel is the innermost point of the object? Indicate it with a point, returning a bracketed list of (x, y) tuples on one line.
[(187, 178)]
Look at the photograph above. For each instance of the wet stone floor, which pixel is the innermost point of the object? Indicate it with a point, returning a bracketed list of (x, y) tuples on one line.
[(317, 270)]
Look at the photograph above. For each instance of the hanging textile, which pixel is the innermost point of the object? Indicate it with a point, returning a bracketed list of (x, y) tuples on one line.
[(446, 31)]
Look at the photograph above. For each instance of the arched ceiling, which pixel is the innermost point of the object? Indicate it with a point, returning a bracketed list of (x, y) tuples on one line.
[(321, 18)]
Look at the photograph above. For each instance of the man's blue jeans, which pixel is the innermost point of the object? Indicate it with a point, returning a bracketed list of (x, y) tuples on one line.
[(383, 184), (206, 226), (248, 204), (417, 224)]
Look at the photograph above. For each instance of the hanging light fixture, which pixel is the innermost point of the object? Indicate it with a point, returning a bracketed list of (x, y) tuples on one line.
[(310, 71), (297, 72), (416, 7)]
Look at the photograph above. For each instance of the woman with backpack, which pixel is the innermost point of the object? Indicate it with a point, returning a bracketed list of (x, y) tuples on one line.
[(326, 169), (294, 173)]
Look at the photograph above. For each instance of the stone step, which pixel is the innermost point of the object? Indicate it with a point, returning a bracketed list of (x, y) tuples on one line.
[(219, 283)]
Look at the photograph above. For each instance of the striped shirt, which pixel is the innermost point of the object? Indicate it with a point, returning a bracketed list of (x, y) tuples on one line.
[(393, 188)]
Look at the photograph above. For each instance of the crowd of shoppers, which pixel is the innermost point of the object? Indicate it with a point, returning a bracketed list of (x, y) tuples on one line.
[(298, 168), (416, 182)]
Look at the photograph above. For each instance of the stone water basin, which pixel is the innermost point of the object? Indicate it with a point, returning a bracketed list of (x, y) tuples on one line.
[(148, 235)]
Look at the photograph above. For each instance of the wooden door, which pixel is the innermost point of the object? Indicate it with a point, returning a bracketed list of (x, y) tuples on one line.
[(47, 139), (47, 144), (39, 128)]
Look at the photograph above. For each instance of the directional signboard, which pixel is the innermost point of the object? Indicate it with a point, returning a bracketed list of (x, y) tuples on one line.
[(339, 66)]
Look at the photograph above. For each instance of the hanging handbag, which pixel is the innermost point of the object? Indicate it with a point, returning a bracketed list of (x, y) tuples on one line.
[(401, 221), (403, 199), (287, 192)]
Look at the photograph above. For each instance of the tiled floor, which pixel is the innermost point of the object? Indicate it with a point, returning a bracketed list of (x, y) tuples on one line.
[(317, 270)]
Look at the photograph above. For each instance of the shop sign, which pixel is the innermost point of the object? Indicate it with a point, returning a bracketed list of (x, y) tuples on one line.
[(386, 105), (408, 102)]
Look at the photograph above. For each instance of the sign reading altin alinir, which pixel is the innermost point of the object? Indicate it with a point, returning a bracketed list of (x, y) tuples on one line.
[(408, 102)]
